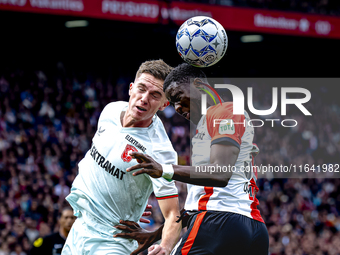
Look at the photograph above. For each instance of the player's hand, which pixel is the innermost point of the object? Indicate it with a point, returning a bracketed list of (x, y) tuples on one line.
[(144, 238), (157, 250), (146, 213), (148, 166)]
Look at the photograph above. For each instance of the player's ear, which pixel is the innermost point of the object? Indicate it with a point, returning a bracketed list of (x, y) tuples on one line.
[(198, 83), (130, 88), (165, 104)]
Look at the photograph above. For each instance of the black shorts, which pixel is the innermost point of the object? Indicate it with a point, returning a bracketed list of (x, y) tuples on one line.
[(221, 233)]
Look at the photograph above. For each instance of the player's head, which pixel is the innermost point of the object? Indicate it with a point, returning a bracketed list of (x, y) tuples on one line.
[(157, 68), (146, 92), (182, 89), (66, 219)]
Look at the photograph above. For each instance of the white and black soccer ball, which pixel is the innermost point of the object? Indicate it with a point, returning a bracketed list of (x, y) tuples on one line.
[(201, 41)]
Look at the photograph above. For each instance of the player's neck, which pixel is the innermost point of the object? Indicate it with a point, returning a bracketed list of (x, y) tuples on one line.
[(63, 233), (128, 122)]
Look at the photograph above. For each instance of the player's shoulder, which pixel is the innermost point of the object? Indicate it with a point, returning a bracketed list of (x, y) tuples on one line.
[(158, 133), (38, 242), (160, 140), (46, 240), (219, 112), (53, 236), (158, 127), (119, 105), (225, 108), (112, 110)]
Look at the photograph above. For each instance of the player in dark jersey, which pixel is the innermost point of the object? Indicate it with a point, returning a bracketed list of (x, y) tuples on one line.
[(53, 244), (222, 217)]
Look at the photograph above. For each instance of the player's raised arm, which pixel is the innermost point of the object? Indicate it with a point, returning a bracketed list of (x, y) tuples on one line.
[(221, 155)]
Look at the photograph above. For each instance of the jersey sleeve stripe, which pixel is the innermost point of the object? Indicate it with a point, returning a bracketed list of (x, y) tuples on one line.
[(166, 197), (193, 233), (226, 141)]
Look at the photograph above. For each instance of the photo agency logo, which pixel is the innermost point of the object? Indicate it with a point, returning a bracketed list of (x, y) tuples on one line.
[(227, 125), (294, 126)]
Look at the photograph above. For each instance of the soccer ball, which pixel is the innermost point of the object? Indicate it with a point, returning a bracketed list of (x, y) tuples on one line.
[(201, 41)]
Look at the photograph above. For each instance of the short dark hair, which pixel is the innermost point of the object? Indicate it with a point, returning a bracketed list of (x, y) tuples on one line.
[(157, 68), (65, 208), (182, 74)]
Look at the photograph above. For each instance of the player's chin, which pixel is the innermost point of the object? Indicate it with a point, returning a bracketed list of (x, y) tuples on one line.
[(139, 115)]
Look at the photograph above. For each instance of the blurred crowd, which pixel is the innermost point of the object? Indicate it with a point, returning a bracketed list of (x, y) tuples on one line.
[(48, 118), (324, 7)]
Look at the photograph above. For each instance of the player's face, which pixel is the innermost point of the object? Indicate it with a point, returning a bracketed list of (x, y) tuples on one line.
[(66, 220), (146, 98), (186, 100)]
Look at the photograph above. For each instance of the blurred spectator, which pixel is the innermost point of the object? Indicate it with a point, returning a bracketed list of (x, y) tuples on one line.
[(4, 250), (18, 250), (31, 229)]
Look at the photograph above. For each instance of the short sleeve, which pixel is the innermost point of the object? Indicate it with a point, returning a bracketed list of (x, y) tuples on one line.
[(163, 188), (223, 126)]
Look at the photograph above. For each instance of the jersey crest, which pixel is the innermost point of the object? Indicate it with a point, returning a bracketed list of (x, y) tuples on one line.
[(125, 155)]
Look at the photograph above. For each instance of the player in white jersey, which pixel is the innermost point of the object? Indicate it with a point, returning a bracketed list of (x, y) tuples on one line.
[(222, 204), (103, 192)]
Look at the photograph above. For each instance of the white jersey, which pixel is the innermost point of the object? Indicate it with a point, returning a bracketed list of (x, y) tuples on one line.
[(102, 187), (219, 125)]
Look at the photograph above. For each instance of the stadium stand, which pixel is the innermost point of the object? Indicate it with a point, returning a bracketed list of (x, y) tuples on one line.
[(324, 7), (46, 129)]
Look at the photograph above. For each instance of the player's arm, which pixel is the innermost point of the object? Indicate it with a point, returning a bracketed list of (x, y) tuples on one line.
[(145, 238), (171, 229), (221, 155)]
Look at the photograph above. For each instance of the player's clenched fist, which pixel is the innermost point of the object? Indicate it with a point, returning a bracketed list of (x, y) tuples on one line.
[(157, 250), (148, 166)]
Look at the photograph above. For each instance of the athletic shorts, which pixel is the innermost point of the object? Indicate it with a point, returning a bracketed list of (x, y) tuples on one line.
[(221, 233), (90, 238)]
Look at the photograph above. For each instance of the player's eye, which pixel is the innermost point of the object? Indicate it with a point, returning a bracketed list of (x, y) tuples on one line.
[(156, 96)]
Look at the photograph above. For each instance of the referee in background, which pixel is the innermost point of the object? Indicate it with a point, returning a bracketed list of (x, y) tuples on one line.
[(53, 244)]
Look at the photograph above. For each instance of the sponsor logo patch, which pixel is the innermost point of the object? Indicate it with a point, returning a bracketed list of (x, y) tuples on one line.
[(226, 127)]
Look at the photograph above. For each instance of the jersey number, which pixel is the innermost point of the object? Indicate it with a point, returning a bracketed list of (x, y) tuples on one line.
[(251, 189)]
